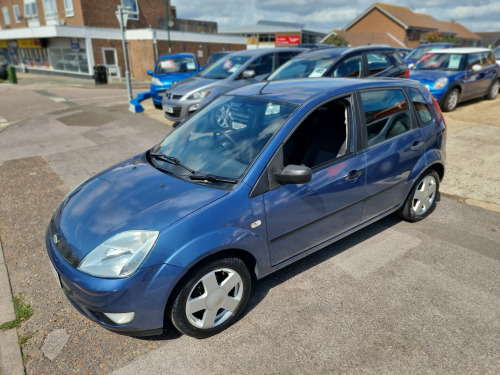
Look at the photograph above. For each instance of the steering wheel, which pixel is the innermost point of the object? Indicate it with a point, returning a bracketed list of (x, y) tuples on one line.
[(227, 136)]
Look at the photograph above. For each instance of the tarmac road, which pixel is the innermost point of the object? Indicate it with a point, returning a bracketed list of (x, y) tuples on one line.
[(394, 298)]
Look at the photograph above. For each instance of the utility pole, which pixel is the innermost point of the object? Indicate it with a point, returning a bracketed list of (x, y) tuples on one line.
[(122, 18), (168, 25)]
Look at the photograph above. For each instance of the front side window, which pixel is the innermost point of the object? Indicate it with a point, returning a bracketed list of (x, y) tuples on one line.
[(387, 115), (377, 62), (175, 65), (420, 105), (68, 8), (350, 67), (132, 8), (225, 138), (262, 65), (6, 16), (17, 13), (321, 138)]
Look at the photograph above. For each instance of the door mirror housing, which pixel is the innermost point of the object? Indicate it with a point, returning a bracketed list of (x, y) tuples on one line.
[(150, 72), (476, 68), (248, 74), (294, 174)]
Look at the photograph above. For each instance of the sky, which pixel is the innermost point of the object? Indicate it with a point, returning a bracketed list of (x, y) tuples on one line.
[(324, 15)]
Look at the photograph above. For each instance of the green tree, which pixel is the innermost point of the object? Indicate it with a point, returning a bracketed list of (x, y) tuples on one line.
[(336, 40)]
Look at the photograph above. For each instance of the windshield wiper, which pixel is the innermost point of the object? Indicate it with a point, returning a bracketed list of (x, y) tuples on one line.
[(172, 160), (211, 178)]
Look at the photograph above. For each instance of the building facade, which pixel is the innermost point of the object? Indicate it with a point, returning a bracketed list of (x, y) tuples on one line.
[(72, 36)]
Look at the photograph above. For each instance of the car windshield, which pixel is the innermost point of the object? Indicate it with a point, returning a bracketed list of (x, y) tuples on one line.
[(175, 65), (224, 139), (307, 66), (223, 68), (441, 61), (418, 53)]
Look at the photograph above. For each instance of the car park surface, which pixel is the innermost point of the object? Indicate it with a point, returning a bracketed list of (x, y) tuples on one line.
[(170, 69), (253, 182), (238, 69), (353, 62), (455, 75)]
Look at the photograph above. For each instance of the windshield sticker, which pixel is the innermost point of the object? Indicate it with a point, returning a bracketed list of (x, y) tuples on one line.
[(227, 64), (317, 72), (191, 66), (272, 109), (238, 125), (454, 61), (168, 64), (234, 68)]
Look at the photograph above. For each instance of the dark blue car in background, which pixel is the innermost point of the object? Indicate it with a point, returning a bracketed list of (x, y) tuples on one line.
[(170, 69), (259, 178), (455, 75)]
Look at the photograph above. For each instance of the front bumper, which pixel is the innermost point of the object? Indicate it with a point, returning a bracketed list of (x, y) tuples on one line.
[(146, 293), (157, 92)]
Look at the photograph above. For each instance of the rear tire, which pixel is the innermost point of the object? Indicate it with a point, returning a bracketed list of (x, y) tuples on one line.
[(451, 101), (211, 298), (422, 198), (493, 90)]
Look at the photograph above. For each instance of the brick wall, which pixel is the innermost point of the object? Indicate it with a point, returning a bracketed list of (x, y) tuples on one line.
[(376, 21)]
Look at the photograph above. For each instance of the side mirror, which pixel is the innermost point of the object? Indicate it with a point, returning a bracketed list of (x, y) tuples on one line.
[(150, 72), (248, 74), (476, 68), (294, 174)]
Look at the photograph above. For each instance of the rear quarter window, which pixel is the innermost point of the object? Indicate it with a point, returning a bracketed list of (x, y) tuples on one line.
[(423, 112)]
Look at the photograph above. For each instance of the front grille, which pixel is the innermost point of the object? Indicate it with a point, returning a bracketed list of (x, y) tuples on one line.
[(62, 247), (169, 95)]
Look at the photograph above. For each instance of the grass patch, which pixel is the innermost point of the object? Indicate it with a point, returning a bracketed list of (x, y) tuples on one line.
[(23, 339), (26, 358), (23, 312)]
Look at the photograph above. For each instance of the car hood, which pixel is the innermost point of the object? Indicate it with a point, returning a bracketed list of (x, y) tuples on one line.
[(430, 76), (173, 77), (195, 83), (131, 195)]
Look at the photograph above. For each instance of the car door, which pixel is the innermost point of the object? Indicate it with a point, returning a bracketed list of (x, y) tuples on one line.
[(300, 217), (475, 82), (394, 144)]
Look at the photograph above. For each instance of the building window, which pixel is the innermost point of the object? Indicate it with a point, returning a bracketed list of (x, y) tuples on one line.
[(132, 8), (17, 13), (50, 11), (68, 7), (6, 16)]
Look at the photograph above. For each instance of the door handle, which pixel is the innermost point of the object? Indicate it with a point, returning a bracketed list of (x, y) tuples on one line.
[(354, 175), (416, 145)]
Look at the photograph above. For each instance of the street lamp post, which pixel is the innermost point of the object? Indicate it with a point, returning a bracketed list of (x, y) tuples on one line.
[(123, 21), (168, 26)]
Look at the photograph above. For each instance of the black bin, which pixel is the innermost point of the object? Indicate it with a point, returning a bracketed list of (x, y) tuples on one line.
[(100, 75)]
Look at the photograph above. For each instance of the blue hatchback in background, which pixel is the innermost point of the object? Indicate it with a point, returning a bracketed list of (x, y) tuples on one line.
[(455, 75), (257, 179), (170, 69)]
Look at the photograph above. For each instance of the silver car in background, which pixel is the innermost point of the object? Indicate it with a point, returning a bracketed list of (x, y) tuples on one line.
[(236, 69)]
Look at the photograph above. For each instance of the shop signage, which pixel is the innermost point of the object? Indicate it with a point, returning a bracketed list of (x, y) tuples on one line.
[(29, 43), (287, 39), (12, 44)]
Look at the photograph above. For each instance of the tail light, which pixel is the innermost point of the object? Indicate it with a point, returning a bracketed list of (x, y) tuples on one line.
[(439, 110), (407, 73)]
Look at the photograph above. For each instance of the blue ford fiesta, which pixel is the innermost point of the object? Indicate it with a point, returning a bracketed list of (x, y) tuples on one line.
[(258, 179)]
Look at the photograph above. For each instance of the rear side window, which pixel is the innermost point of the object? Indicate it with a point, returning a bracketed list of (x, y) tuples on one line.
[(423, 111), (387, 115), (377, 62)]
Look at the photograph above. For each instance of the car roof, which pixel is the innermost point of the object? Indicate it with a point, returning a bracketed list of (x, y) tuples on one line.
[(437, 44), (298, 91), (184, 54), (461, 50), (261, 51)]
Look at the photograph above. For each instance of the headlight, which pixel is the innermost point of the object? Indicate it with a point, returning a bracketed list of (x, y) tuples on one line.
[(156, 81), (198, 95), (119, 256), (440, 83)]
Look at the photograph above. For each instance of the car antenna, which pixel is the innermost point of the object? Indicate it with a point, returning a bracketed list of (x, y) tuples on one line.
[(263, 87)]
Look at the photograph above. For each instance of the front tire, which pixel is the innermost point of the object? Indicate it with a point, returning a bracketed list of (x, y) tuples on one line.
[(422, 198), (211, 298), (493, 90), (451, 101)]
